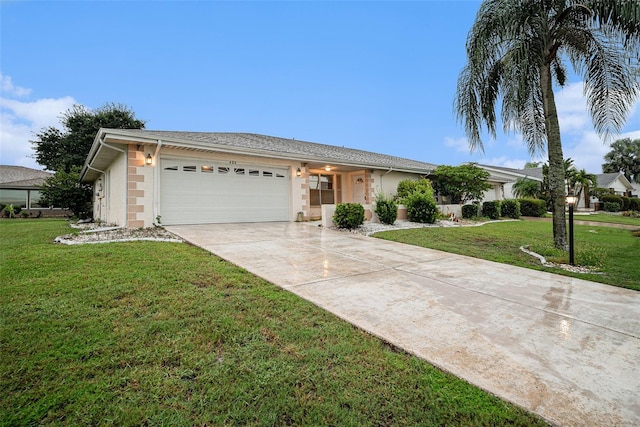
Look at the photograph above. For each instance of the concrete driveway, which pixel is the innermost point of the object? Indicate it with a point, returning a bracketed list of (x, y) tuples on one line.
[(566, 349)]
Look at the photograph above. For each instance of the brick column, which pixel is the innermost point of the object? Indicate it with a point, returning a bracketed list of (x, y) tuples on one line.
[(306, 197), (368, 187), (135, 192)]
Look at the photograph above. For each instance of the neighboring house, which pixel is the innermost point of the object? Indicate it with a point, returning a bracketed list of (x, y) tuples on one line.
[(19, 186), (144, 177), (503, 179), (616, 182)]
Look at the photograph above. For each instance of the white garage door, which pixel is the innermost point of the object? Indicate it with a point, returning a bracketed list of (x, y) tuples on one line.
[(200, 192)]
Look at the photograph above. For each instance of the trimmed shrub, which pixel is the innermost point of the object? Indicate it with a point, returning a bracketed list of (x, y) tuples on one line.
[(406, 187), (510, 208), (491, 209), (532, 207), (421, 208), (613, 199), (469, 211), (625, 203), (634, 204), (611, 207), (349, 215), (386, 209)]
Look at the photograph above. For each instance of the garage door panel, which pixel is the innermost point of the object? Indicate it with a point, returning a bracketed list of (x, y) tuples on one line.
[(195, 192)]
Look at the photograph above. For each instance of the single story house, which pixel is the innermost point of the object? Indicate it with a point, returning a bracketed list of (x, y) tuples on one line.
[(616, 182), (503, 179), (20, 186), (145, 177)]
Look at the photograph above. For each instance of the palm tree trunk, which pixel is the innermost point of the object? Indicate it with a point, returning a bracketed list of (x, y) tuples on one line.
[(587, 198), (556, 159)]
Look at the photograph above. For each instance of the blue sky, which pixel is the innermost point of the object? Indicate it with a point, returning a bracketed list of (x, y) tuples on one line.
[(377, 76)]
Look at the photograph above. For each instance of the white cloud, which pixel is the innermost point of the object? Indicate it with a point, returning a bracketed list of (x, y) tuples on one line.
[(579, 139), (572, 108), (461, 145), (21, 119), (506, 162), (6, 85), (588, 149)]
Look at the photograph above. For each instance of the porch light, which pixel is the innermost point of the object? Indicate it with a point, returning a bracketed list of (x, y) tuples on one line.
[(327, 168), (148, 160), (298, 172)]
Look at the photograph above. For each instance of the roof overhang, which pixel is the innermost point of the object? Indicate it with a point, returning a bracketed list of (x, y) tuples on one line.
[(108, 143)]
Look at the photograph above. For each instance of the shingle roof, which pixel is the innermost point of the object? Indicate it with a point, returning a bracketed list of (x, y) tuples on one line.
[(20, 176), (535, 173), (291, 148), (605, 179)]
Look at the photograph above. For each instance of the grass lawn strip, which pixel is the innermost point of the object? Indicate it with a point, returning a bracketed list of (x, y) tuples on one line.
[(148, 333), (609, 252)]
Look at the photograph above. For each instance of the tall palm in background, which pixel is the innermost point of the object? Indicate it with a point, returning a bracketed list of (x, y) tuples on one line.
[(624, 156), (582, 181), (517, 49)]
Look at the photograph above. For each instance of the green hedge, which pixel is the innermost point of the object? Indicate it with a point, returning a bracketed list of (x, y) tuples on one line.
[(491, 209), (421, 208), (626, 201), (611, 207), (349, 215), (634, 204), (470, 211), (532, 207), (612, 198), (510, 208)]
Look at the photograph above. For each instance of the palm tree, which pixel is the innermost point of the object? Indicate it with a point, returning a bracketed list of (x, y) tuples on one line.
[(524, 187), (624, 157), (517, 49), (584, 181)]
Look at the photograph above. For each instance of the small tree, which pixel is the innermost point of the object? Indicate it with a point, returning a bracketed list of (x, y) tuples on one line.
[(461, 183), (64, 189), (61, 150)]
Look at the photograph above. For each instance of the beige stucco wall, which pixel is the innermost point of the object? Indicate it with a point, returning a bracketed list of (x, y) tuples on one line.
[(114, 206), (387, 183)]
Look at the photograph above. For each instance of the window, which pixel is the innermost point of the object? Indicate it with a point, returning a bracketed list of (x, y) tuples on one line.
[(267, 173), (279, 175), (238, 171), (171, 168), (321, 190), (223, 170), (254, 172), (34, 199), (189, 169), (16, 198), (206, 169)]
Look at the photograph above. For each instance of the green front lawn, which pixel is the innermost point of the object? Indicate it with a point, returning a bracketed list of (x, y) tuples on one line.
[(609, 218), (147, 333), (613, 252)]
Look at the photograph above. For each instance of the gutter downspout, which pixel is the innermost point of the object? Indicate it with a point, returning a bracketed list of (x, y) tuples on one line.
[(156, 186), (382, 177)]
